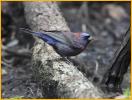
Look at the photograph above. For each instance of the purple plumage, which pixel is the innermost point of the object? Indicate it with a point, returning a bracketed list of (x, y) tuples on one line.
[(65, 44)]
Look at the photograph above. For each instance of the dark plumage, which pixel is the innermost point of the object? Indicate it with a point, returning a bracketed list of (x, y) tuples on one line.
[(65, 44)]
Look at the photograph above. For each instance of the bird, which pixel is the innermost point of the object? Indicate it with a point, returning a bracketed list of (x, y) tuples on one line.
[(66, 44)]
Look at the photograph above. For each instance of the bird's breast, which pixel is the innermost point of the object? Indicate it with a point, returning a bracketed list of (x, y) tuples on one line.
[(67, 50)]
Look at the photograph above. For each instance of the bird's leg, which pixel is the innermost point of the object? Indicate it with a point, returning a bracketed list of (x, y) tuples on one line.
[(63, 59), (66, 59)]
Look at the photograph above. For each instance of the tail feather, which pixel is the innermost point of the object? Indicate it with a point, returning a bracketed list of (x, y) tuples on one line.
[(45, 37), (25, 30), (30, 32)]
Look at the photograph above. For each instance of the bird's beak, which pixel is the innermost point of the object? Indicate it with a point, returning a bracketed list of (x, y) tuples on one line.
[(91, 38)]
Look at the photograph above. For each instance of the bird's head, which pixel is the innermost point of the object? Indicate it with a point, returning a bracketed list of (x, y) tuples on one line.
[(86, 37)]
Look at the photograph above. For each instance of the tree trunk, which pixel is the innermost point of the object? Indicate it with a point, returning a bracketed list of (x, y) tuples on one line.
[(57, 78)]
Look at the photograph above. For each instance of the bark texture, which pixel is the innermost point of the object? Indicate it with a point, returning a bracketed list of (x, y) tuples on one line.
[(120, 63), (57, 78)]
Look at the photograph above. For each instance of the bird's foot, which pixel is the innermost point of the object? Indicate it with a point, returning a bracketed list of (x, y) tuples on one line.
[(67, 60), (63, 59)]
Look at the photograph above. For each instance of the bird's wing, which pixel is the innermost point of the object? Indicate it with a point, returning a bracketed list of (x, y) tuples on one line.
[(73, 39), (57, 35), (68, 38), (61, 36)]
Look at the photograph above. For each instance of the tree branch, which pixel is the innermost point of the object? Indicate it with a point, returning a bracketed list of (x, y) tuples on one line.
[(57, 78)]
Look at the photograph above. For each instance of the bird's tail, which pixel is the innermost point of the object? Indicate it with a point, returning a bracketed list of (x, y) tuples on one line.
[(26, 30), (45, 37), (38, 34)]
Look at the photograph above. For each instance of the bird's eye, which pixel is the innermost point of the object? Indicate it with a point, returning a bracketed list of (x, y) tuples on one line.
[(88, 36)]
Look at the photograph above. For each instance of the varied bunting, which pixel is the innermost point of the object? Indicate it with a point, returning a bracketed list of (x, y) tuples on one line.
[(65, 44)]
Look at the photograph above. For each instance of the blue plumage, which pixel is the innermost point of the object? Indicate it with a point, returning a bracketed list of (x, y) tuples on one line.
[(65, 43)]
